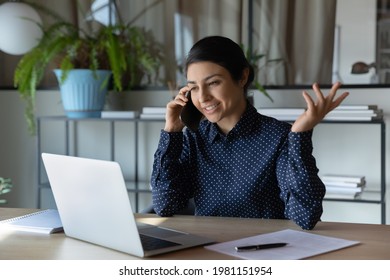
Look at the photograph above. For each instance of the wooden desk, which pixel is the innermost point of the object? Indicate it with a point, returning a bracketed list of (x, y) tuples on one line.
[(375, 239)]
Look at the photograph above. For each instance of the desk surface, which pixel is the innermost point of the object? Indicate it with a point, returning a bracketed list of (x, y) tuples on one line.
[(375, 239)]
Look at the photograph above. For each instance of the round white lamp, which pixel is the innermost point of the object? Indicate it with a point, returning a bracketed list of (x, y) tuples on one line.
[(19, 30)]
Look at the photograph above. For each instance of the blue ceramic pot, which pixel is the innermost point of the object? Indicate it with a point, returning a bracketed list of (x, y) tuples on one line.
[(84, 92)]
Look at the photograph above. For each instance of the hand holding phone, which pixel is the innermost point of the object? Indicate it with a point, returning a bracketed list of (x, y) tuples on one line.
[(190, 115)]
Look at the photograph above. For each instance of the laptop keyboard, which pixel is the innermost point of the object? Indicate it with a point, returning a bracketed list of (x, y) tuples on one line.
[(152, 243)]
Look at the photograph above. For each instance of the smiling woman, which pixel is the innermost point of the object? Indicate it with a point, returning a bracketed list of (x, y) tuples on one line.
[(238, 163), (218, 68), (217, 96)]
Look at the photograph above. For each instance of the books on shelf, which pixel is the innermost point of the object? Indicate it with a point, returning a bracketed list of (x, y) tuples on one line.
[(342, 195), (154, 110), (342, 190), (119, 114), (152, 116), (157, 113), (357, 107), (281, 111), (343, 186), (45, 221), (146, 113), (368, 112), (341, 113), (282, 114), (355, 113), (360, 179), (355, 118)]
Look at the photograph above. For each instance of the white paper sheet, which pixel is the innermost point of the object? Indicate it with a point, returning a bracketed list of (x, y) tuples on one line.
[(300, 245)]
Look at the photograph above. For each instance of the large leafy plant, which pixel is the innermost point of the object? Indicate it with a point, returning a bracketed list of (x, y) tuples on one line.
[(130, 52)]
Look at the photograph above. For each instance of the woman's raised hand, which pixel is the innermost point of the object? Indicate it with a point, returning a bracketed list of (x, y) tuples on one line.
[(317, 109)]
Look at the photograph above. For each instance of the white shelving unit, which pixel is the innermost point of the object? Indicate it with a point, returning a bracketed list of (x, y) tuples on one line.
[(375, 190), (69, 128), (137, 187)]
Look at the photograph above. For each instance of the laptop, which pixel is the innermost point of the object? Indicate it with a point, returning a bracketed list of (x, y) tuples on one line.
[(94, 206)]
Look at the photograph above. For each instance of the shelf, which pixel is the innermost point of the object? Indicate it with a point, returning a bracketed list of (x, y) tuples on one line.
[(136, 187), (131, 186), (64, 118), (141, 187), (365, 197)]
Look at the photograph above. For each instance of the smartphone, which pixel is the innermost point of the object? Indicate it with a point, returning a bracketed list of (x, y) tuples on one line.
[(189, 115)]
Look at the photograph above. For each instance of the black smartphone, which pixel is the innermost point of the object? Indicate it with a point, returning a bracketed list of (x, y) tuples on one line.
[(189, 115)]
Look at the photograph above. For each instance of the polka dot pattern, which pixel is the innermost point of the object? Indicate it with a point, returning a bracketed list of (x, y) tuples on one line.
[(260, 169)]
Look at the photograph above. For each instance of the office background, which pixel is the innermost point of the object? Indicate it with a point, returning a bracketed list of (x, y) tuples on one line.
[(18, 150)]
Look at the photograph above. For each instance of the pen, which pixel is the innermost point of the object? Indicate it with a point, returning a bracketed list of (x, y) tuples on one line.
[(259, 247)]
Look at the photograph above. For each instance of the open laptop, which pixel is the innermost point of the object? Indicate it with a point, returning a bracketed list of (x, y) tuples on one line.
[(94, 206)]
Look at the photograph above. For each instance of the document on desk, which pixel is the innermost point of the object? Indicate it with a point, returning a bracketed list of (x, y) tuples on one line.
[(300, 245), (45, 221)]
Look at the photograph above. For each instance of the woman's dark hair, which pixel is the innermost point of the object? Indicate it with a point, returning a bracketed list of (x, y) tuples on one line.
[(224, 52)]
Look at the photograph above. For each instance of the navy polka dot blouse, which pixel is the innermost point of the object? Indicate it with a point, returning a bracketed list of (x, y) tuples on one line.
[(260, 169)]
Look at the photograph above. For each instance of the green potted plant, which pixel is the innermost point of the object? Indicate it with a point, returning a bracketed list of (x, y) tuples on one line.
[(127, 52), (5, 187), (254, 59)]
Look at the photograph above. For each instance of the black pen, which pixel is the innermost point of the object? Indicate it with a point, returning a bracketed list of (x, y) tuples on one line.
[(259, 247)]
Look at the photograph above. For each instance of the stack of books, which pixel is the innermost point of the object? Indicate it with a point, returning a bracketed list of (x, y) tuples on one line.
[(341, 113), (282, 114), (119, 114), (355, 113), (343, 186), (153, 113)]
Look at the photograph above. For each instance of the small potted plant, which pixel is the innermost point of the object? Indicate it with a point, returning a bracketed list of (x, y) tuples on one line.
[(124, 54)]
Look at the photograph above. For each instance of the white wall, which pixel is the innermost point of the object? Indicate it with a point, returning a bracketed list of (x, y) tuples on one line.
[(357, 21), (19, 159)]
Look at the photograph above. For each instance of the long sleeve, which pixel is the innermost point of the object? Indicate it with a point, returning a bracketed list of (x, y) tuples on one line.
[(260, 169), (297, 175), (170, 187)]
